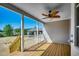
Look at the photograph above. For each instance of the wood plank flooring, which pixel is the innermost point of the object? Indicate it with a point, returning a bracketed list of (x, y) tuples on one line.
[(56, 49), (47, 49)]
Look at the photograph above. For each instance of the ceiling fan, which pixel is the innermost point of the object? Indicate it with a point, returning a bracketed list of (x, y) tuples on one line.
[(52, 14)]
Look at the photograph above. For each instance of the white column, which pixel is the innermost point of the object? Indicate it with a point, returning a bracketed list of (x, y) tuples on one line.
[(37, 31), (22, 33)]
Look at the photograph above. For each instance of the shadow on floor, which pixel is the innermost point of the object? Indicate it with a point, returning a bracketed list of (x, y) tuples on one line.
[(53, 49)]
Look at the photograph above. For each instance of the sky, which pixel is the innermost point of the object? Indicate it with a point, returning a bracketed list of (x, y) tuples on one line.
[(8, 16)]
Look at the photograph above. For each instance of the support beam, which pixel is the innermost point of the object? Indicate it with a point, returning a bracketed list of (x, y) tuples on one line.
[(17, 9), (22, 33)]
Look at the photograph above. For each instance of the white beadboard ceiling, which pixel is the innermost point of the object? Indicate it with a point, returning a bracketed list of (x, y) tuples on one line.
[(36, 9)]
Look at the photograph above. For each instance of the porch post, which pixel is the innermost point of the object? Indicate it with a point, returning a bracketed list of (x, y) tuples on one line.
[(22, 33), (37, 31)]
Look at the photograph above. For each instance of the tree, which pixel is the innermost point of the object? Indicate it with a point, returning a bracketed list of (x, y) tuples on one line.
[(25, 31), (8, 30), (17, 31), (1, 33), (1, 30)]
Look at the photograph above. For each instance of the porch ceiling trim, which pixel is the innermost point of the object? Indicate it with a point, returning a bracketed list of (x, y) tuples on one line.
[(16, 9)]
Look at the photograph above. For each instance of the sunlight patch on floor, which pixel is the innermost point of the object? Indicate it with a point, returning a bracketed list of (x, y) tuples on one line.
[(43, 47), (39, 51)]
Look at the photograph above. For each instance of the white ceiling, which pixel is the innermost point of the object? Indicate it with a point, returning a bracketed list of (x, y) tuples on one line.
[(36, 9)]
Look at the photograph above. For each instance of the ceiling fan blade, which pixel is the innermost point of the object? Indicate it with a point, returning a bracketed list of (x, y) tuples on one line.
[(57, 16), (45, 17), (44, 14)]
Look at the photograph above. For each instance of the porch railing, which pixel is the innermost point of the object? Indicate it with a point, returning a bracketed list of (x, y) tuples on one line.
[(15, 46)]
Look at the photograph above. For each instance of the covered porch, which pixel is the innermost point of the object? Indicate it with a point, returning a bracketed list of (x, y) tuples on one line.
[(55, 31)]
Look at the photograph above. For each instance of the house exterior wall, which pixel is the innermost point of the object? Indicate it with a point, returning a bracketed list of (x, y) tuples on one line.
[(57, 31)]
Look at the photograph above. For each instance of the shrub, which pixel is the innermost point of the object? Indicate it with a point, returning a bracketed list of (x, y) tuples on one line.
[(1, 35)]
